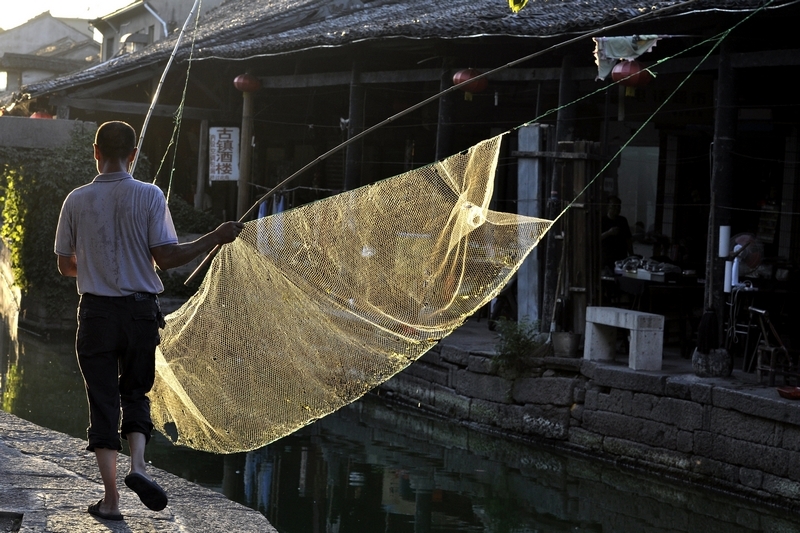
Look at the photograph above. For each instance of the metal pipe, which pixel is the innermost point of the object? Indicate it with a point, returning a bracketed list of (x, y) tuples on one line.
[(162, 21)]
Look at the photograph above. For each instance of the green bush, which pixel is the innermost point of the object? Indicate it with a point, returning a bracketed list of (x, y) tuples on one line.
[(33, 185), (187, 219), (518, 344)]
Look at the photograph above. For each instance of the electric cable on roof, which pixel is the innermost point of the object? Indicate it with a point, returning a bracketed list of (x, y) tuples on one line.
[(313, 307), (179, 112)]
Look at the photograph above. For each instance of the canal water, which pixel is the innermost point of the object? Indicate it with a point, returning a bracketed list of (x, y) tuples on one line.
[(376, 467)]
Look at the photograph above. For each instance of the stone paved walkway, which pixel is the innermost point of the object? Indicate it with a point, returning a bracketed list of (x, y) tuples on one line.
[(48, 480)]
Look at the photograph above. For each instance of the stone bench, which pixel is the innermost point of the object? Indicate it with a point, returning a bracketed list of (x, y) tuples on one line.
[(646, 336)]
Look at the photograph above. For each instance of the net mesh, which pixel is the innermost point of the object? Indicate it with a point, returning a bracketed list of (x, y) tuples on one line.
[(311, 308)]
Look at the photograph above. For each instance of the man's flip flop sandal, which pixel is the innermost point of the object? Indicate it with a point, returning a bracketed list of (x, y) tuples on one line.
[(94, 510), (148, 491)]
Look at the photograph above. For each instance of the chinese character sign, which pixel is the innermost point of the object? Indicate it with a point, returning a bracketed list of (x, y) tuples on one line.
[(223, 154)]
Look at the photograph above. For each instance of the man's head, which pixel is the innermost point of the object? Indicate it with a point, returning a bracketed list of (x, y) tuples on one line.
[(115, 140), (613, 206)]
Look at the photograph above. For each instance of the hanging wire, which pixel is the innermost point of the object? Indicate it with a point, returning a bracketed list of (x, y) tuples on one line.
[(717, 39), (426, 101), (179, 114), (161, 84), (456, 87)]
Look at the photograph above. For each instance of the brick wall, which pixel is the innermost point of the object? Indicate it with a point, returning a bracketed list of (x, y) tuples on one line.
[(714, 432)]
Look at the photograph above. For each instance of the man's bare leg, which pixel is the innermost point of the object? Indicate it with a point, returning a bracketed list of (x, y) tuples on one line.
[(137, 480), (137, 443), (107, 462)]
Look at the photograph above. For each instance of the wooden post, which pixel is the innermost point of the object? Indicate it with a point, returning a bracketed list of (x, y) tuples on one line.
[(202, 162), (721, 180), (444, 126), (529, 203), (355, 151), (788, 198), (579, 243), (565, 120), (248, 84), (245, 155)]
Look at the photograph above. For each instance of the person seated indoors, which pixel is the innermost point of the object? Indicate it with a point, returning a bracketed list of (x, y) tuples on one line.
[(660, 248), (639, 234), (616, 241)]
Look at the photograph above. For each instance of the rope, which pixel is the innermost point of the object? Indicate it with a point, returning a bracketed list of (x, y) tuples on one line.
[(179, 113), (426, 101), (717, 39), (161, 84), (454, 88)]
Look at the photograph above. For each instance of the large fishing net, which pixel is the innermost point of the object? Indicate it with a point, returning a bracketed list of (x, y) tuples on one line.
[(311, 308)]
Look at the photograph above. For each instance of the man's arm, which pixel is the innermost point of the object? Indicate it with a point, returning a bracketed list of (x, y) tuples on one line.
[(68, 265), (175, 255)]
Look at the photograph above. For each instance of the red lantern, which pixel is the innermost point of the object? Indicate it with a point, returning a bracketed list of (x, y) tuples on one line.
[(247, 83), (41, 114), (466, 75), (631, 74)]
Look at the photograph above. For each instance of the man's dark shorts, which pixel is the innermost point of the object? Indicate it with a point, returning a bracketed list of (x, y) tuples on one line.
[(116, 343)]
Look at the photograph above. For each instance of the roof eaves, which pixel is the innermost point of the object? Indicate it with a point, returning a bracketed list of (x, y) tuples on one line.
[(121, 11), (239, 31)]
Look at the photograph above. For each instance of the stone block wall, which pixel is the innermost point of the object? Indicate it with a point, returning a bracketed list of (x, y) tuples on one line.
[(555, 489), (23, 132), (715, 432), (471, 387)]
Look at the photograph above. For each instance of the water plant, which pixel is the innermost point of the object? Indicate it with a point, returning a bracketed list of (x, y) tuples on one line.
[(519, 343)]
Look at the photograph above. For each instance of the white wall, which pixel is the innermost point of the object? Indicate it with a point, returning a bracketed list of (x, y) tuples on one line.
[(24, 132), (39, 32), (637, 180), (176, 11), (139, 20)]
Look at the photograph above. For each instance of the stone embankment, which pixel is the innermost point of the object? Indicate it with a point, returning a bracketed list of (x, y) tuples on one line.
[(47, 480), (731, 434)]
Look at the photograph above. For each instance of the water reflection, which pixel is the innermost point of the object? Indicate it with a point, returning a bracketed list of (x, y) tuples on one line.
[(373, 467)]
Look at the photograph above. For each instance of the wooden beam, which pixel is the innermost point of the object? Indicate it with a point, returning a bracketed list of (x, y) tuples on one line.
[(555, 155), (115, 84), (133, 108), (677, 65), (203, 87), (770, 58), (305, 80), (328, 79), (401, 76), (543, 74)]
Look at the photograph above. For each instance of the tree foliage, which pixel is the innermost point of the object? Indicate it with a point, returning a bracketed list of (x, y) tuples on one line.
[(33, 186)]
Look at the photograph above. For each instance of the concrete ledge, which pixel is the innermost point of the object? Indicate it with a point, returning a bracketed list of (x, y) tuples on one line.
[(24, 132), (50, 479), (624, 378), (646, 336)]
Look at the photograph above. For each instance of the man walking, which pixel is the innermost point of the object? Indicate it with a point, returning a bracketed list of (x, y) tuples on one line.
[(111, 234)]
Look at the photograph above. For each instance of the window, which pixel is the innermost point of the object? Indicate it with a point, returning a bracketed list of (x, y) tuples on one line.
[(108, 52), (133, 42)]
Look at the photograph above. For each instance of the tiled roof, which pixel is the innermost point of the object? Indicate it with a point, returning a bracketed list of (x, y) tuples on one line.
[(244, 28), (65, 45)]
